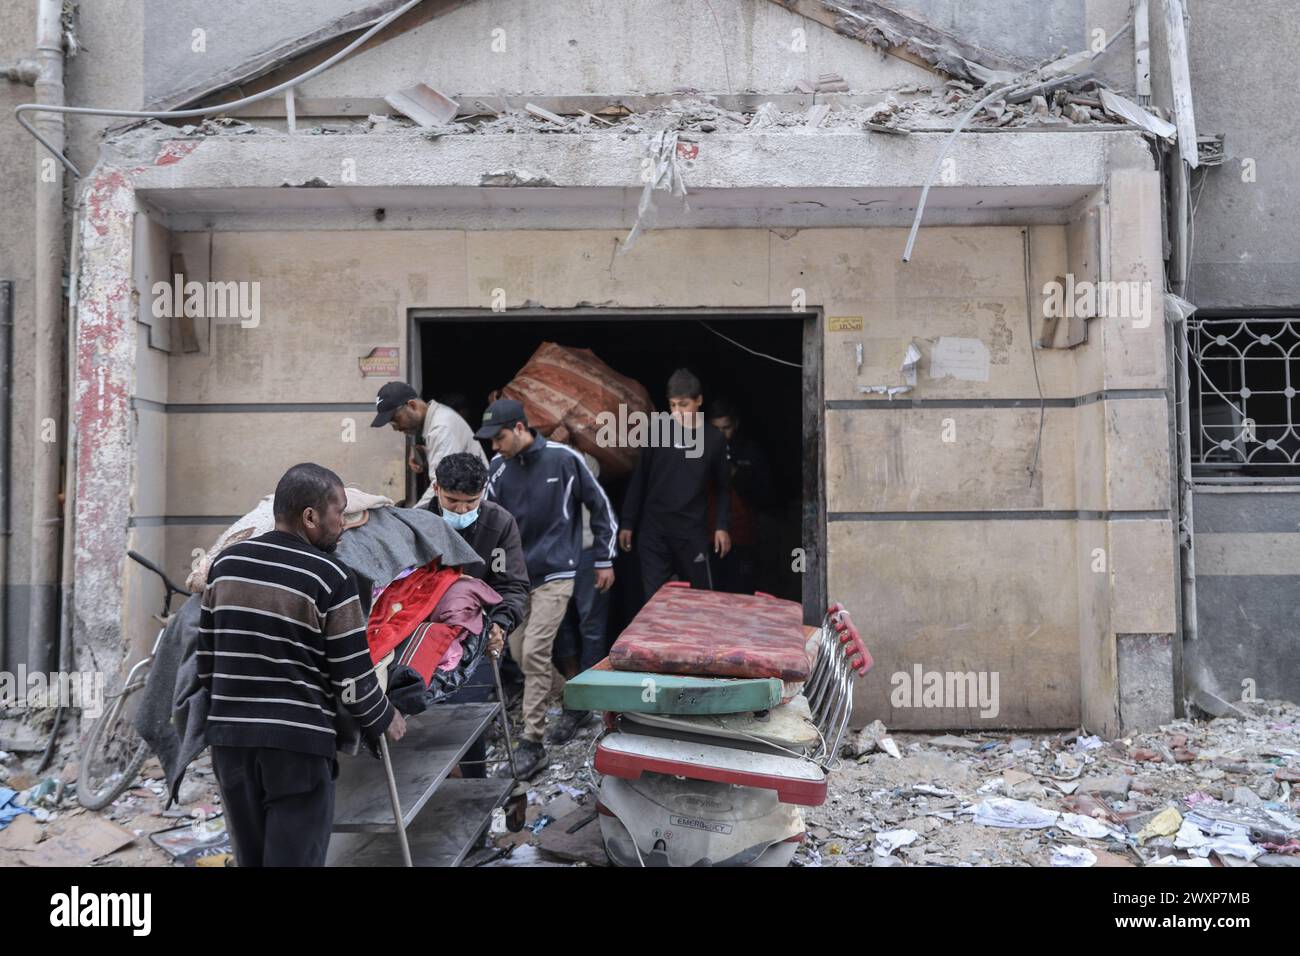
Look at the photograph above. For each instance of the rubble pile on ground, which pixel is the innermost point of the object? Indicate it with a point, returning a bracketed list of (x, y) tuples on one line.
[(1193, 793), (43, 824), (1222, 792)]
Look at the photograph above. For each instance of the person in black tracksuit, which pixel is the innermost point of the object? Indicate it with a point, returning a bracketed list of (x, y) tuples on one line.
[(491, 531), (545, 485), (666, 507)]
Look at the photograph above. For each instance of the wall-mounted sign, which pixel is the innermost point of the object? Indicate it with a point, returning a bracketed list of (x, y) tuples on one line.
[(843, 323), (382, 362)]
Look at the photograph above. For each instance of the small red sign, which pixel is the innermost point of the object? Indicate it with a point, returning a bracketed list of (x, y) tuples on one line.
[(382, 362)]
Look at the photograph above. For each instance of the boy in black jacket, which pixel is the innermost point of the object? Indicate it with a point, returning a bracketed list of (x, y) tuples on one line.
[(491, 531), (667, 500)]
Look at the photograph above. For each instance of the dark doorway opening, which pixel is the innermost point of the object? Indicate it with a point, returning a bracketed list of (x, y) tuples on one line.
[(459, 357)]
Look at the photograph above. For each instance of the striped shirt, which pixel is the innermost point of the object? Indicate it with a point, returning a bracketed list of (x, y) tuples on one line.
[(282, 646)]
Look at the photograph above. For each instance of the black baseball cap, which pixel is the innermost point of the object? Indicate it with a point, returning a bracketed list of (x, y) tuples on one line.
[(503, 413), (390, 398)]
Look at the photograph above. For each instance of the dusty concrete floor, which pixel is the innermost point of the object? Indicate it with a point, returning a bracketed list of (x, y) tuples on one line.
[(900, 800)]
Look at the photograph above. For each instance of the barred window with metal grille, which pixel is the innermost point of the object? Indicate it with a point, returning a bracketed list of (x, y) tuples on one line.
[(1244, 374)]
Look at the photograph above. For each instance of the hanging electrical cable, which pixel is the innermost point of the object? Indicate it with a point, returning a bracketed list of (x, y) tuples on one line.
[(201, 111)]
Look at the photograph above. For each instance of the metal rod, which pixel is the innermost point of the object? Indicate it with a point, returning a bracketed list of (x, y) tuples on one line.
[(66, 652), (6, 475), (505, 717), (397, 804), (1186, 515)]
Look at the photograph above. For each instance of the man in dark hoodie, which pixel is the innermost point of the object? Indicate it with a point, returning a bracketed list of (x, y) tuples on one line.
[(666, 506)]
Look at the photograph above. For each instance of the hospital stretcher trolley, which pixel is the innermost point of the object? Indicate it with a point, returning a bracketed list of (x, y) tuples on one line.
[(409, 792)]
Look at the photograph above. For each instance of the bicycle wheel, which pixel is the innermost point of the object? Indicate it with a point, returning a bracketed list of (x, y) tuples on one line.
[(113, 755)]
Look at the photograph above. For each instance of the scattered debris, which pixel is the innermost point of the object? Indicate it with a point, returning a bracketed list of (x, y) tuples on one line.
[(666, 176), (831, 83), (1130, 112), (887, 841), (545, 115), (1072, 799), (423, 104), (816, 115), (1073, 856), (897, 799)]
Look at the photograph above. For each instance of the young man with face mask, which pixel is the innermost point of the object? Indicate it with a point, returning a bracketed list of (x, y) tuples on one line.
[(490, 530), (438, 430), (493, 534), (281, 648)]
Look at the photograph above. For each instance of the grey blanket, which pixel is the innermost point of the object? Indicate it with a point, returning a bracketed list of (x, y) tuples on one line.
[(173, 713)]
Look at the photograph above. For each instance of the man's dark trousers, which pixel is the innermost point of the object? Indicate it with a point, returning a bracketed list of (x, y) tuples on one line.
[(582, 635), (661, 557), (279, 804)]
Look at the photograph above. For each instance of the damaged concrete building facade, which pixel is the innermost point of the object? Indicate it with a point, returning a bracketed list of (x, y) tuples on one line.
[(986, 407)]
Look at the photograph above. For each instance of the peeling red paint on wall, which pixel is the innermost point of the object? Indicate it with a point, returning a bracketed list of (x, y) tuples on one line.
[(99, 195), (175, 151), (105, 352)]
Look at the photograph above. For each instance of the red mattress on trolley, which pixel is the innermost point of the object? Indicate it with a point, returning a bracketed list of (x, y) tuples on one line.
[(709, 633)]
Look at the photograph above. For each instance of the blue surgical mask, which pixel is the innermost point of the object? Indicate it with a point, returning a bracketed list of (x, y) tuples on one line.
[(460, 522)]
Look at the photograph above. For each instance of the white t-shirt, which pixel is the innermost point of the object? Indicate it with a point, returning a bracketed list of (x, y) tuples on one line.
[(445, 433)]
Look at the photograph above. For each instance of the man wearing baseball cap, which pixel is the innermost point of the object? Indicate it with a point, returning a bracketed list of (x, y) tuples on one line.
[(545, 485), (438, 429)]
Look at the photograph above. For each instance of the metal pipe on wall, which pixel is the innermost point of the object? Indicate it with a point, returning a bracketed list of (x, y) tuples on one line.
[(67, 660), (6, 472), (47, 360)]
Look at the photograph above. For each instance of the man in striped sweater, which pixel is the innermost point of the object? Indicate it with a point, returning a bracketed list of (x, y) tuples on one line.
[(282, 645)]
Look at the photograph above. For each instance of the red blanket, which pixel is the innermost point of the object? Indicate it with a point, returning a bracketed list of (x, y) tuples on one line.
[(403, 605)]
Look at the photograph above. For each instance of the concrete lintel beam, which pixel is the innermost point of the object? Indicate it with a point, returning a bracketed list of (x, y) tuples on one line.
[(724, 161)]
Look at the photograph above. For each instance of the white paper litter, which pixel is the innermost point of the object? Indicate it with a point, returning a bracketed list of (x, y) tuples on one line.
[(932, 790), (1229, 846), (887, 841), (1014, 814), (1073, 856), (1189, 836), (1088, 827)]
